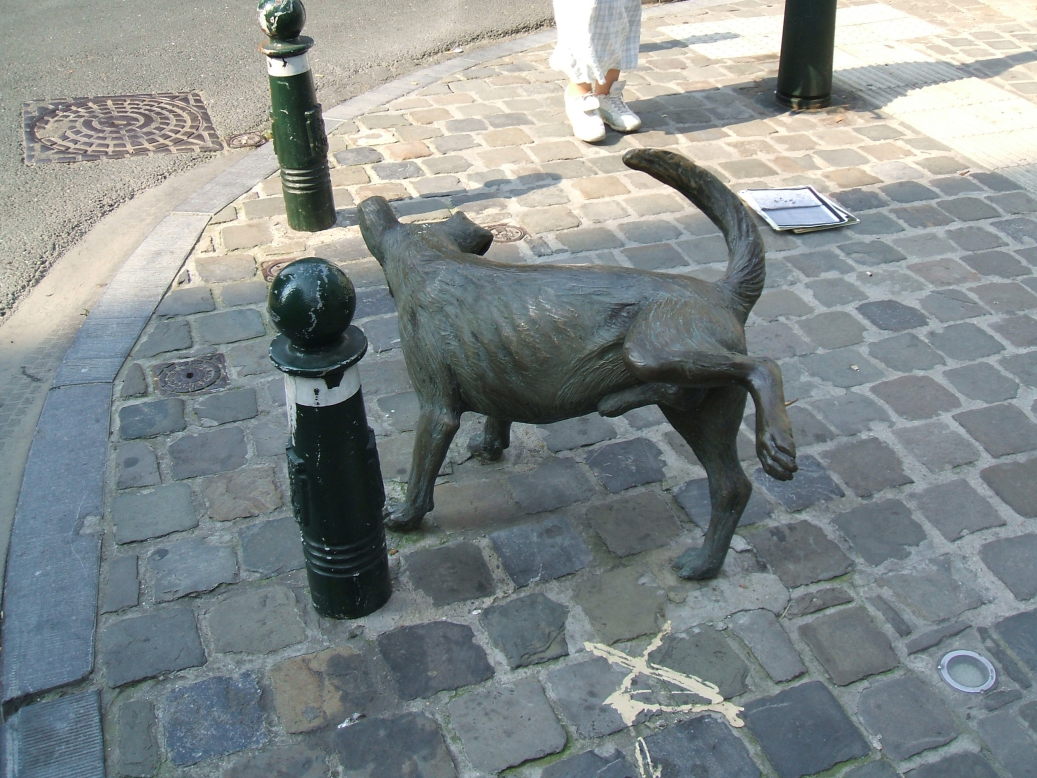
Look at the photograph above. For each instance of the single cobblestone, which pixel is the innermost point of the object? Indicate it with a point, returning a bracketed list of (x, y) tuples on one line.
[(849, 645), (880, 531), (429, 658), (800, 553), (1011, 560), (528, 630), (371, 748), (233, 720), (449, 574), (151, 514), (190, 566), (146, 646), (907, 716)]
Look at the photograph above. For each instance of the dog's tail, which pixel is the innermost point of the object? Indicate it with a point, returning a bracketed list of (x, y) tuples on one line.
[(745, 268), (376, 221)]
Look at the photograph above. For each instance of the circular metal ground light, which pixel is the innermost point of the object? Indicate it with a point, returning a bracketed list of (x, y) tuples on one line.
[(967, 671), (91, 128)]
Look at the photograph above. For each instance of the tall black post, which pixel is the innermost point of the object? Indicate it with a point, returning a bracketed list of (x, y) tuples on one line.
[(807, 49), (333, 464)]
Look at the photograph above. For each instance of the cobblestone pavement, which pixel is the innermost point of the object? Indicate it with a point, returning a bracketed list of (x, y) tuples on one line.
[(536, 628)]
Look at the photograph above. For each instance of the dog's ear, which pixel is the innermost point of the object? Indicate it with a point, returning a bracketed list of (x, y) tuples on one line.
[(467, 235)]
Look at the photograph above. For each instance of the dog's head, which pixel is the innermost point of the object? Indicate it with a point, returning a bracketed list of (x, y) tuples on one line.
[(379, 225)]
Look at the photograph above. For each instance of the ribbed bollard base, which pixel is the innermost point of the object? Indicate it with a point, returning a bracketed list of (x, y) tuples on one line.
[(348, 582)]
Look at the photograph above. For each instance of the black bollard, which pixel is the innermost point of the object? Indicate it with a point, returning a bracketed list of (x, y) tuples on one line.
[(807, 48), (333, 466)]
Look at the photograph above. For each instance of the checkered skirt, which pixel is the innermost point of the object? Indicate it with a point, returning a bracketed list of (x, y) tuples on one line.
[(595, 36)]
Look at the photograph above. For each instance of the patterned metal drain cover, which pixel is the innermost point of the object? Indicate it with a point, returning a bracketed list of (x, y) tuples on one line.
[(192, 375), (507, 233), (92, 128), (272, 267)]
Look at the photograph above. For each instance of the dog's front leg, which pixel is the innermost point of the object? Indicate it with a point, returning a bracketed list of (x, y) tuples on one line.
[(495, 437), (436, 428)]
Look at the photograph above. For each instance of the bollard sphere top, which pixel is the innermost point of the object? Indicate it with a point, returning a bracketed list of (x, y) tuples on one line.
[(312, 303), (282, 20)]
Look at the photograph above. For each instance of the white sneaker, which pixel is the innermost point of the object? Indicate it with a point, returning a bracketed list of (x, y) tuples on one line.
[(582, 111), (615, 112)]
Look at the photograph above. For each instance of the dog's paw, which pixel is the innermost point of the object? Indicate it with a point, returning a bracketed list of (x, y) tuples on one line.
[(695, 565), (777, 454), (401, 519)]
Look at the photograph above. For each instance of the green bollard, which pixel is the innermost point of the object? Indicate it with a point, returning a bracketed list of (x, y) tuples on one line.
[(807, 48), (333, 467), (300, 141)]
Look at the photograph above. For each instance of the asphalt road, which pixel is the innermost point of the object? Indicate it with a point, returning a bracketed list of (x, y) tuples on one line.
[(65, 49)]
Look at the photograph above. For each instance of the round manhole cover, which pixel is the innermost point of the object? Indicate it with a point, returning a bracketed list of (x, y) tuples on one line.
[(507, 233), (91, 128), (192, 375)]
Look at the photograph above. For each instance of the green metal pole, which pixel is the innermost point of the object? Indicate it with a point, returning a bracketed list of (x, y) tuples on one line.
[(300, 141), (333, 466), (807, 49)]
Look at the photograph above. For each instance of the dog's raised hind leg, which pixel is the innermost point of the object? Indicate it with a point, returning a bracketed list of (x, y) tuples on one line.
[(436, 428), (495, 437), (712, 430)]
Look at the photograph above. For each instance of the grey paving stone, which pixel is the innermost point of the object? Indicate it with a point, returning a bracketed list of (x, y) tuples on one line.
[(134, 382), (907, 716), (906, 353), (146, 646), (807, 429), (153, 513), (241, 494), (541, 551), (881, 530), (624, 604), (982, 381), (952, 305), (527, 630), (1018, 330), (1011, 560), (590, 764), (1022, 230), (121, 588), (361, 155), (968, 208), (137, 751), (1016, 484), (1001, 429), (706, 653), (761, 631), (626, 464), (429, 658), (974, 238), (803, 730), (255, 621), (578, 432), (184, 302), (945, 271), (580, 690), (554, 484), (963, 765), (190, 566), (777, 340), (272, 547), (1005, 297), (228, 326), (313, 691), (702, 747), (892, 315), (816, 263), (233, 719), (996, 263), (835, 291), (813, 485), (933, 637), (151, 418), (228, 405), (1019, 633), (844, 367), (291, 761), (630, 524), (851, 412), (244, 293), (165, 336), (923, 216), (56, 737), (371, 748), (849, 645), (833, 329), (867, 466), (136, 465), (452, 573), (658, 256), (818, 600), (1012, 745), (208, 453), (800, 553), (916, 397), (956, 509), (935, 589), (891, 615), (519, 710), (908, 192), (936, 446), (778, 303), (1023, 367), (871, 253), (394, 171)]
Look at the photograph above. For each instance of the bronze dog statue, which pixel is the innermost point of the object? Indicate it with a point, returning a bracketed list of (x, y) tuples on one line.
[(542, 343)]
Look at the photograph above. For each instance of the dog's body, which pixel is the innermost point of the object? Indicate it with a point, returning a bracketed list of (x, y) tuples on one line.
[(542, 343)]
